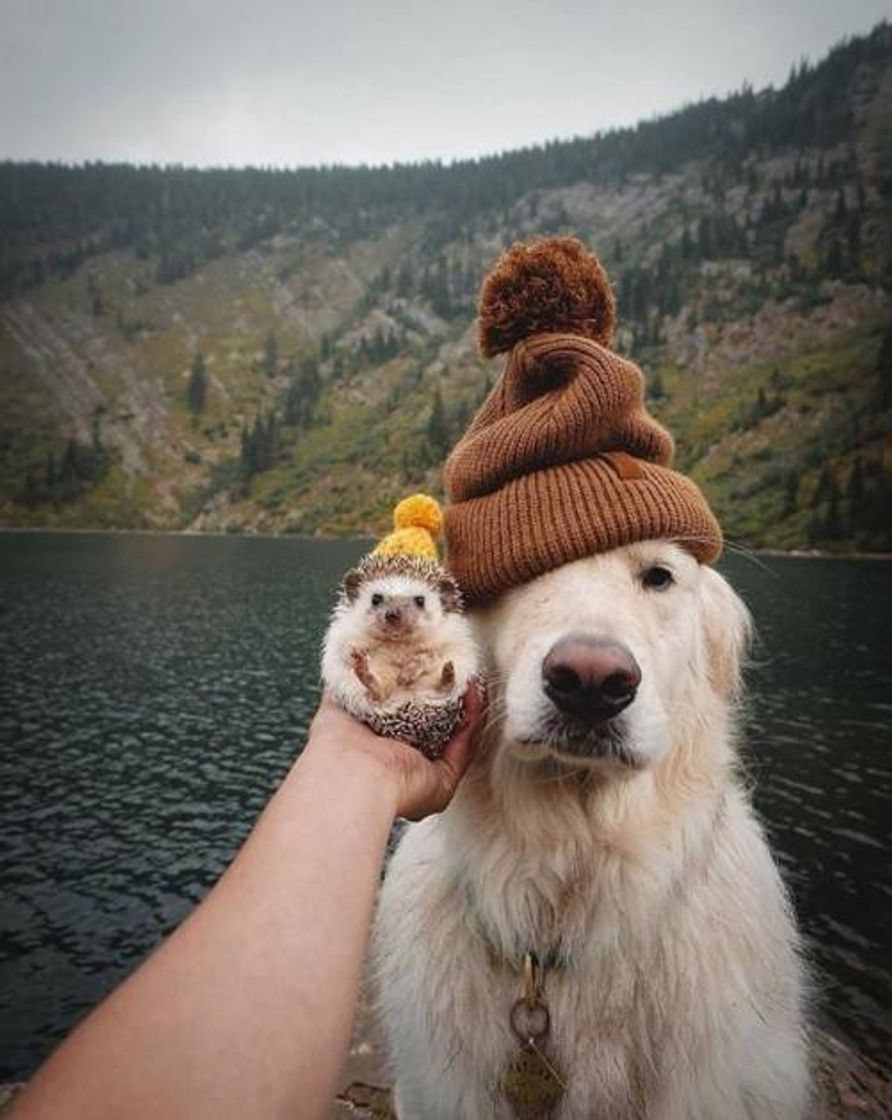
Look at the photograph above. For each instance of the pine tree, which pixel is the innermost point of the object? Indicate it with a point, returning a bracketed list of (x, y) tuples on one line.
[(270, 355), (97, 430), (308, 385), (884, 370), (93, 290), (247, 451), (404, 280), (833, 524), (438, 426), (294, 404), (853, 241), (69, 472), (825, 487), (271, 441), (855, 492), (30, 491), (196, 391), (791, 494), (833, 259)]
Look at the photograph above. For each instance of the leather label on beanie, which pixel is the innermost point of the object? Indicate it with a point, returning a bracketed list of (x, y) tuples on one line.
[(624, 465)]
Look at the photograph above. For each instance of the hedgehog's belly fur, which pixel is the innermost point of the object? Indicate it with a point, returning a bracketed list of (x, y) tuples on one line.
[(398, 667)]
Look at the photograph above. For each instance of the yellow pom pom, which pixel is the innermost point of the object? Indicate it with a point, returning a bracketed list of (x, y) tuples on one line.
[(419, 511), (417, 520)]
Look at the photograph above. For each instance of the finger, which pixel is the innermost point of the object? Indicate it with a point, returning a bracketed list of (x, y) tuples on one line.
[(474, 709), (475, 699)]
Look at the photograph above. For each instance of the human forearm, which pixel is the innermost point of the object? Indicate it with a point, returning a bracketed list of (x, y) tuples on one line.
[(246, 1010)]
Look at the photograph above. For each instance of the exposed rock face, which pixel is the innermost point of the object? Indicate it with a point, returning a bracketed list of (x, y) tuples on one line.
[(748, 241)]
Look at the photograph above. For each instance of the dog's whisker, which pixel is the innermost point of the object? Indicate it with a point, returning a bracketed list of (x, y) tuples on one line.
[(730, 545), (496, 721), (751, 556)]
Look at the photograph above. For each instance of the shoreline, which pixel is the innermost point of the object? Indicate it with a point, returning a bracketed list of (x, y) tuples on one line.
[(24, 530), (848, 1086)]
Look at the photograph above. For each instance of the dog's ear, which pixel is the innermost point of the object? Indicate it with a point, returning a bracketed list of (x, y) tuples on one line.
[(728, 630)]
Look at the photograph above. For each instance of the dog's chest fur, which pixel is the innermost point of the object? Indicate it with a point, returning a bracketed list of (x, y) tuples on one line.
[(631, 991)]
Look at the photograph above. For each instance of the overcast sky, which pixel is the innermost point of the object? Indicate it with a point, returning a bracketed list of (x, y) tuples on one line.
[(291, 82)]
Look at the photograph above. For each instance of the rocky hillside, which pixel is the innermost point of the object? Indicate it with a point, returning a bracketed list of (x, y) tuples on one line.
[(290, 351)]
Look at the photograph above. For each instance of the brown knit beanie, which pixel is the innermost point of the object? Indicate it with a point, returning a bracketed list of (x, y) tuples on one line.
[(562, 460)]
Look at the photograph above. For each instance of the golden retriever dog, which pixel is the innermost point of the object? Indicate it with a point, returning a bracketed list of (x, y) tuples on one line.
[(601, 869)]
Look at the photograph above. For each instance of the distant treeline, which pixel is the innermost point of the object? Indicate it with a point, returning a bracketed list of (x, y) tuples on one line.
[(53, 216)]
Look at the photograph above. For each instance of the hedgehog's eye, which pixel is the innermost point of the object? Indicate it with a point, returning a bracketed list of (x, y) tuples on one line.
[(657, 578), (419, 601), (377, 599)]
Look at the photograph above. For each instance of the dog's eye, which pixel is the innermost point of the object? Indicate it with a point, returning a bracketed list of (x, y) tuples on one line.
[(657, 578), (377, 599), (419, 600)]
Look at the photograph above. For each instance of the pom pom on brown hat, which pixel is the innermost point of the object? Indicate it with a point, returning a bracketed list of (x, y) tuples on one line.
[(563, 459)]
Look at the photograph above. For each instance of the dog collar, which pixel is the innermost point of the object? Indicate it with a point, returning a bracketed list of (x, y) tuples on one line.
[(551, 961)]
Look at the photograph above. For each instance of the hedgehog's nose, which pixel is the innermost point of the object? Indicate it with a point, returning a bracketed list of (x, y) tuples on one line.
[(393, 616)]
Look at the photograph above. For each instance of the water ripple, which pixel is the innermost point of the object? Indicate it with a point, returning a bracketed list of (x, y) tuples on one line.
[(153, 691)]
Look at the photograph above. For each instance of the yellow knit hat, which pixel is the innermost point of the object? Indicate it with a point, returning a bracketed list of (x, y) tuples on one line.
[(416, 521)]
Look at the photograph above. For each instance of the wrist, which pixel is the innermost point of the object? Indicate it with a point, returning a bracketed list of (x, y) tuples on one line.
[(342, 773)]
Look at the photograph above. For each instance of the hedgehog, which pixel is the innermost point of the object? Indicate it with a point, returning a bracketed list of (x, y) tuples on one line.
[(399, 653)]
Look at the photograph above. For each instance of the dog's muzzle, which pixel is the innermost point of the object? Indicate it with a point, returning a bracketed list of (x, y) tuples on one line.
[(589, 680)]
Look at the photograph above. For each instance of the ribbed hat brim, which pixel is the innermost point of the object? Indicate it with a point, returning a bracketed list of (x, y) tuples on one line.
[(547, 518)]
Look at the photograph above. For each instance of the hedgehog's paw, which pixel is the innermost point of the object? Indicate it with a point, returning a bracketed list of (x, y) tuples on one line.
[(447, 677), (359, 659)]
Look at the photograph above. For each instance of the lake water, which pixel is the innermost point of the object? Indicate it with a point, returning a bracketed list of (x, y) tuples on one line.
[(154, 689)]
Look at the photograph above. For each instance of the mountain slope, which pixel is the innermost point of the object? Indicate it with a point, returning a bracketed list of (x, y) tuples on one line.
[(291, 351)]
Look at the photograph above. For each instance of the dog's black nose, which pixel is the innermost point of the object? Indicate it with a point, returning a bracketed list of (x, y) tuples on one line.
[(592, 679)]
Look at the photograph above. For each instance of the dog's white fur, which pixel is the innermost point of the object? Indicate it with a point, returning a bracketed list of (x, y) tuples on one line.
[(679, 991)]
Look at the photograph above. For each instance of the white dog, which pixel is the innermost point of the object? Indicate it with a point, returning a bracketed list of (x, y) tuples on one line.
[(603, 828)]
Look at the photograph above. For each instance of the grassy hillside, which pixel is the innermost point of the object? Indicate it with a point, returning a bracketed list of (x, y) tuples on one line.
[(291, 351)]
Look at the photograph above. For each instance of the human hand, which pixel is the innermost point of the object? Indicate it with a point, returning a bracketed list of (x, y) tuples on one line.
[(417, 785)]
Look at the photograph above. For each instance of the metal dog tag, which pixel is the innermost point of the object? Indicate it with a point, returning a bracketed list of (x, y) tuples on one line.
[(531, 1085)]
